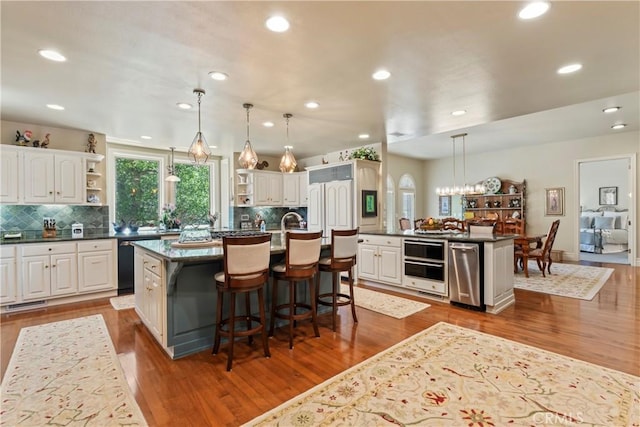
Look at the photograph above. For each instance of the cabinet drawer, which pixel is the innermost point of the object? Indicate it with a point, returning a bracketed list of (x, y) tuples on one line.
[(152, 264), (7, 251), (425, 285), (95, 245), (49, 249), (381, 240)]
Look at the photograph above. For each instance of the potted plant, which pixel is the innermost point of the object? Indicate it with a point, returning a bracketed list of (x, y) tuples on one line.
[(365, 153)]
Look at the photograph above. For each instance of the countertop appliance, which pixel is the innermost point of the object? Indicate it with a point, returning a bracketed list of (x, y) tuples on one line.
[(424, 265), (466, 288)]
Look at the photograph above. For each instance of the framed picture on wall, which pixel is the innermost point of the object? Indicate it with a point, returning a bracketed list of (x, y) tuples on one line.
[(608, 195), (369, 203), (444, 205), (554, 201)]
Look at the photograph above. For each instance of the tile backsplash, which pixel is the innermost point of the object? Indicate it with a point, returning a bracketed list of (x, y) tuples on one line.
[(271, 215), (29, 218)]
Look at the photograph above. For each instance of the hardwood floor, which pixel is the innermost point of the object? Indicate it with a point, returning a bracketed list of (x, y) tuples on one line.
[(198, 391)]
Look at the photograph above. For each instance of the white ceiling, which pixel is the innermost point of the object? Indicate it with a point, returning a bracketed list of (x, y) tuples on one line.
[(129, 63)]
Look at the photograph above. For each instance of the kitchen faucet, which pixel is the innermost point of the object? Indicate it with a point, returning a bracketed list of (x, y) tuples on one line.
[(284, 217)]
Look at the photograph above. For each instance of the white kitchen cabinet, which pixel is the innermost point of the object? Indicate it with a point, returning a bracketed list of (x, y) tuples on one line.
[(8, 276), (380, 259), (9, 172), (291, 189), (330, 206), (149, 290), (48, 270), (267, 188), (96, 266), (498, 275), (304, 184), (53, 178)]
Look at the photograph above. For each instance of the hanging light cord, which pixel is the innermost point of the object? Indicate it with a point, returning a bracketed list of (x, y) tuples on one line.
[(248, 123), (287, 117), (199, 98)]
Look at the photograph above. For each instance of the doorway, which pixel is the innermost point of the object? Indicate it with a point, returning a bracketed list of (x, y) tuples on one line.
[(605, 203)]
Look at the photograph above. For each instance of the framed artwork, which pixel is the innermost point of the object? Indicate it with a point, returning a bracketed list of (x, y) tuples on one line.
[(554, 201), (608, 195), (444, 205), (369, 203)]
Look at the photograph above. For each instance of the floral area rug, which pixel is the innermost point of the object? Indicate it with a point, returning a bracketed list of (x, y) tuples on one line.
[(123, 302), (567, 280), (386, 304), (452, 376), (67, 374)]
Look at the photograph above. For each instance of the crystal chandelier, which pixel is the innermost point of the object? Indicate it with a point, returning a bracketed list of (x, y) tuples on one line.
[(248, 158), (199, 150), (288, 162), (464, 189), (171, 169)]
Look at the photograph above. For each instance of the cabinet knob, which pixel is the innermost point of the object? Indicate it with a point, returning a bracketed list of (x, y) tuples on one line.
[(46, 266), (50, 192), (50, 249)]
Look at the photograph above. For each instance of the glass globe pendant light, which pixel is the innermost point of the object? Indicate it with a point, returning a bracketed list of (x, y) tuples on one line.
[(171, 169), (199, 150), (288, 162), (248, 158)]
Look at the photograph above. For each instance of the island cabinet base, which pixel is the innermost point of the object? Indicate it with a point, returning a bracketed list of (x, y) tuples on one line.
[(182, 315)]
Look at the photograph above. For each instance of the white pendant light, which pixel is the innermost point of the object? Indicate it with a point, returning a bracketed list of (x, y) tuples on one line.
[(248, 158), (171, 169), (199, 150), (288, 162)]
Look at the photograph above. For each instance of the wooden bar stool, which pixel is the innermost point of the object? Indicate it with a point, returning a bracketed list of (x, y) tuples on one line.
[(246, 270), (301, 265), (344, 248)]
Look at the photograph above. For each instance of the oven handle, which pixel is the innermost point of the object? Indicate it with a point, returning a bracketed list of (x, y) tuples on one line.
[(417, 242), (428, 264)]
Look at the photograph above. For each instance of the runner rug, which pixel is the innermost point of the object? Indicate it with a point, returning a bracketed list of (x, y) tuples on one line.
[(452, 376), (567, 280), (123, 302), (386, 304), (67, 373)]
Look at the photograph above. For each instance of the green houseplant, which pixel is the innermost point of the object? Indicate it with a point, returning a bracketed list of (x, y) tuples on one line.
[(365, 153)]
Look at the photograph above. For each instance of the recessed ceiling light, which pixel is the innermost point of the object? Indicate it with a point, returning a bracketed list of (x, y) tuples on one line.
[(268, 124), (363, 136), (381, 75), (218, 75), (312, 104), (277, 24), (145, 137), (214, 146), (55, 107), (611, 109), (619, 126), (459, 113), (567, 69), (533, 10), (52, 55), (184, 106)]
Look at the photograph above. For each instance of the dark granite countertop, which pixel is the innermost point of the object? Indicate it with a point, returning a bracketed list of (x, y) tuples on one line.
[(165, 250)]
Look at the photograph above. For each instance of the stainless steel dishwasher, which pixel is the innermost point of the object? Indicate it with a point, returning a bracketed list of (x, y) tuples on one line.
[(465, 278)]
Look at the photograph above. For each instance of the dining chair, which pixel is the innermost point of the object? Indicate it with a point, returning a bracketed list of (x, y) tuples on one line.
[(405, 224), (301, 265), (453, 224), (541, 255), (344, 248), (246, 270), (417, 223)]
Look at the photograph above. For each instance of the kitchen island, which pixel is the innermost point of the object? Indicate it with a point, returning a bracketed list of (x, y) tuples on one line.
[(175, 293), (421, 264)]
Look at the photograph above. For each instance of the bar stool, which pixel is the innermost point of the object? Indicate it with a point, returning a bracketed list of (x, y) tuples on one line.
[(301, 264), (344, 248), (246, 269)]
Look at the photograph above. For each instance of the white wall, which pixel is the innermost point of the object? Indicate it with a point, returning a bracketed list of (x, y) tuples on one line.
[(542, 166), (398, 166), (603, 173)]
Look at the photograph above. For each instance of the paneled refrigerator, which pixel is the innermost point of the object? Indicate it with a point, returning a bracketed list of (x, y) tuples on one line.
[(330, 206)]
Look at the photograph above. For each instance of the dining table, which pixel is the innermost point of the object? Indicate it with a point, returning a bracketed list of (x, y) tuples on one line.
[(526, 242)]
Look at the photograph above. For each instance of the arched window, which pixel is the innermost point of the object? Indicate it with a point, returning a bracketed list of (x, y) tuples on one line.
[(391, 205), (407, 187)]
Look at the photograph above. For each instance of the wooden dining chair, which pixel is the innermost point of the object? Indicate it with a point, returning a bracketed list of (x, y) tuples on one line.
[(541, 255), (417, 223), (513, 226), (405, 224), (453, 224)]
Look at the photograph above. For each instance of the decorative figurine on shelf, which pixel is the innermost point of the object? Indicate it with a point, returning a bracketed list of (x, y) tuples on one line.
[(324, 161), (23, 139), (340, 157), (91, 144), (45, 141)]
